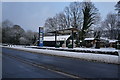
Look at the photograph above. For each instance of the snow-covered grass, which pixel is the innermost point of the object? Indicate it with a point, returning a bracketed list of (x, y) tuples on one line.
[(101, 49), (85, 56), (87, 49), (109, 51)]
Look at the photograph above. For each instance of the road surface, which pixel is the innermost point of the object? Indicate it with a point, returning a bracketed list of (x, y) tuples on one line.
[(15, 69), (80, 68)]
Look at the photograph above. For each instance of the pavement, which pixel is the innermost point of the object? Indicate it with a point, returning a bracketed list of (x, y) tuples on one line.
[(81, 68)]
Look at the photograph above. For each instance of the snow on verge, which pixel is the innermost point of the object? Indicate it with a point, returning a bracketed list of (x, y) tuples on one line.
[(101, 49), (86, 56)]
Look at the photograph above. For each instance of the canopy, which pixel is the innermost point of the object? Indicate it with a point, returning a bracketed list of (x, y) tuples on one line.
[(65, 31), (59, 38), (89, 38)]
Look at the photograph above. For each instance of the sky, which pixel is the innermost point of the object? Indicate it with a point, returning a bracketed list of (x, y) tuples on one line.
[(31, 15)]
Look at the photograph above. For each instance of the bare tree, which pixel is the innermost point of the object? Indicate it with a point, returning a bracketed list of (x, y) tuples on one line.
[(12, 34), (29, 37), (110, 25), (78, 15), (118, 15), (50, 24), (75, 14), (23, 41), (7, 23), (15, 33), (61, 21), (67, 16), (6, 26)]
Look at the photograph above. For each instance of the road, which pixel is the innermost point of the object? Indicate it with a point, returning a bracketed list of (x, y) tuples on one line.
[(81, 68), (15, 69)]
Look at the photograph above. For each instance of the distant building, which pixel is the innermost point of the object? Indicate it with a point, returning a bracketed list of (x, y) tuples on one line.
[(113, 43), (91, 42), (103, 42)]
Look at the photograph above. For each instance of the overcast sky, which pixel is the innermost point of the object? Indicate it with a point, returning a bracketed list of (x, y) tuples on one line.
[(31, 15)]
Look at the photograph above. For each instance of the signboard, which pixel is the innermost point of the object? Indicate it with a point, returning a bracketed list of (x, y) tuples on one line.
[(41, 36)]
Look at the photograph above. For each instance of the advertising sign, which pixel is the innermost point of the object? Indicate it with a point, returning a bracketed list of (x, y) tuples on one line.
[(41, 36)]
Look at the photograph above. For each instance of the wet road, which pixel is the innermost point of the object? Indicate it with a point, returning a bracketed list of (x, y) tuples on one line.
[(15, 69), (85, 69)]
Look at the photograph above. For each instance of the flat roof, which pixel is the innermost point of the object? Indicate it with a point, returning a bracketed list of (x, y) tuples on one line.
[(112, 41), (89, 38)]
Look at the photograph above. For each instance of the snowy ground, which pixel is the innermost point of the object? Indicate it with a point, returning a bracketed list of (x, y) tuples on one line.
[(101, 49), (85, 56), (87, 49), (109, 51)]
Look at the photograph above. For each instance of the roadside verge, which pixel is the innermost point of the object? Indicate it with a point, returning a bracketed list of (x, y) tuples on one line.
[(86, 56)]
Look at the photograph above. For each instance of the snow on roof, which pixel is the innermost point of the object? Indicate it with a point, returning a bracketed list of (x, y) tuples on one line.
[(112, 41), (103, 38), (94, 38), (89, 38), (59, 38)]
